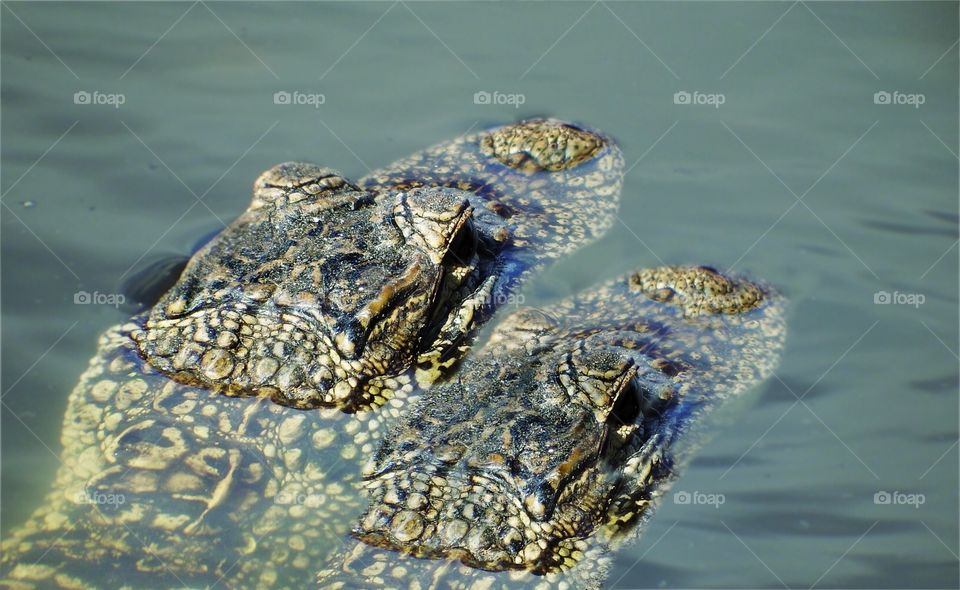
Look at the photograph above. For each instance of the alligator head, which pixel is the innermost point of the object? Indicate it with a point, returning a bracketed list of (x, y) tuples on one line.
[(320, 294), (559, 437), (326, 294), (511, 470)]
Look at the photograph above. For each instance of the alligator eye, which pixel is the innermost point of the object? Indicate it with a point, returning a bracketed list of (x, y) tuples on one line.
[(363, 323), (463, 247), (431, 219), (626, 409), (597, 378)]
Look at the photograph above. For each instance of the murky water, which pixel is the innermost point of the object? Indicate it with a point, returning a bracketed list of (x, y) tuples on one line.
[(811, 144)]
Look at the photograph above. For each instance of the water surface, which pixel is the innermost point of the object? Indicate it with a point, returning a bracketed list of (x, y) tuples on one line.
[(803, 176)]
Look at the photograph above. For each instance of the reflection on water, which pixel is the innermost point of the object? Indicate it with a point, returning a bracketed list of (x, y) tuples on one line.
[(798, 177)]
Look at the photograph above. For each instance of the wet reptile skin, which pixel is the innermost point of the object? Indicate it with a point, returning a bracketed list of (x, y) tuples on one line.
[(247, 493), (556, 441), (238, 492), (326, 294), (561, 190)]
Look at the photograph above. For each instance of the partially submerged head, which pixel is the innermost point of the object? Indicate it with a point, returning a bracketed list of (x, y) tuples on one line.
[(512, 471), (564, 438), (322, 294)]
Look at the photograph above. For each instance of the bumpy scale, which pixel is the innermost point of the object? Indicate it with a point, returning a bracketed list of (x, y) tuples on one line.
[(320, 294), (326, 294), (555, 442)]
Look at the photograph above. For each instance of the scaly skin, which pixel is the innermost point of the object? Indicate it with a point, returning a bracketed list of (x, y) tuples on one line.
[(323, 294), (556, 184), (168, 483), (554, 443), (164, 485)]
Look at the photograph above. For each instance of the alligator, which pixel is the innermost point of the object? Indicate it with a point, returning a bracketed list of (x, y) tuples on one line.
[(557, 439), (547, 451), (326, 293), (188, 459)]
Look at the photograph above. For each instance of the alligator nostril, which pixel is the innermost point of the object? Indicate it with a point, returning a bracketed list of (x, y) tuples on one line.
[(542, 145)]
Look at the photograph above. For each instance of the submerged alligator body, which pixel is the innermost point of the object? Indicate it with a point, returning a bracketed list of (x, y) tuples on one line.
[(326, 294), (189, 460), (557, 439)]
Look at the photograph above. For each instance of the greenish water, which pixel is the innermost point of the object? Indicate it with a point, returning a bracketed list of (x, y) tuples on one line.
[(799, 176)]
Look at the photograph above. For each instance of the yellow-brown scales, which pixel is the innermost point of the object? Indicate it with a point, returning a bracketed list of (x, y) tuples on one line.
[(322, 293), (556, 440)]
